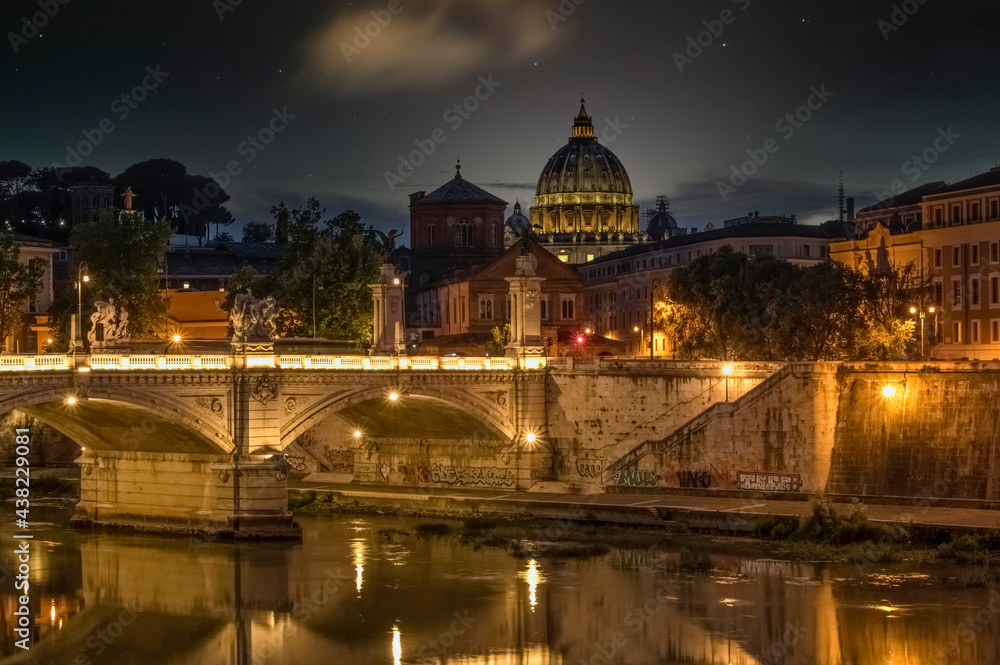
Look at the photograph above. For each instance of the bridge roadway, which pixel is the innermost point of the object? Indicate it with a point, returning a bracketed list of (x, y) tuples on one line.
[(707, 511)]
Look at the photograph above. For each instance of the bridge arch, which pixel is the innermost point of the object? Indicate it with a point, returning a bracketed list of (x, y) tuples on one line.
[(494, 419), (112, 417)]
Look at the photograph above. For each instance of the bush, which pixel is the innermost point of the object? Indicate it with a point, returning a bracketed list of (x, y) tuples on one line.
[(966, 550), (301, 500)]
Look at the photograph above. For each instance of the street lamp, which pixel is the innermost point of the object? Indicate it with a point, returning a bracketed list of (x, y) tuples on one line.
[(81, 277), (642, 336), (727, 369), (918, 310)]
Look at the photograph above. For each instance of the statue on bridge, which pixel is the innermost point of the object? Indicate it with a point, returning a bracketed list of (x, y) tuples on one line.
[(253, 320), (108, 325)]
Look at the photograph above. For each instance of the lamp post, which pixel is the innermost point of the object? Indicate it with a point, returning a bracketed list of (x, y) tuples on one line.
[(81, 277), (727, 369), (642, 336), (918, 310)]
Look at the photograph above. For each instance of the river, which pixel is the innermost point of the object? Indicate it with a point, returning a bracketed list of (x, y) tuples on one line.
[(349, 593)]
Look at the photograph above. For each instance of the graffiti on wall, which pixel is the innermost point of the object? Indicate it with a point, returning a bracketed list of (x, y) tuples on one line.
[(769, 482), (366, 473), (339, 459), (635, 478), (489, 476), (694, 479), (590, 468)]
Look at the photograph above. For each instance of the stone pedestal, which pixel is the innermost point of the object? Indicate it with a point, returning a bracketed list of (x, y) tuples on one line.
[(217, 494), (387, 295), (526, 342)]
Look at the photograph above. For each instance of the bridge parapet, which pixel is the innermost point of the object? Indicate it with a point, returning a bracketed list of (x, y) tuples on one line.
[(26, 363)]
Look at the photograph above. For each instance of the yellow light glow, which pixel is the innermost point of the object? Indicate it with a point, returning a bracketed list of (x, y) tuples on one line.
[(930, 309), (357, 434), (83, 370), (888, 391), (71, 400), (533, 578), (636, 329), (530, 437), (587, 331), (393, 396), (395, 281), (397, 648), (52, 613), (913, 310), (49, 341), (177, 338), (86, 278), (358, 548), (727, 370)]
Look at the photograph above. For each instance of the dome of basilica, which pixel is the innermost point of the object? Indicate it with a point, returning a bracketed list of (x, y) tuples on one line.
[(584, 165)]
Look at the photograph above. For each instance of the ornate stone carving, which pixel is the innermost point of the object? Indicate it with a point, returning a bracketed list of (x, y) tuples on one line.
[(253, 319), (213, 404), (111, 322), (292, 404), (223, 475), (264, 388), (498, 397)]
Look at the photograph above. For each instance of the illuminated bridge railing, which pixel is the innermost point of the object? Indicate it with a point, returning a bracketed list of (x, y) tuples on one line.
[(220, 362)]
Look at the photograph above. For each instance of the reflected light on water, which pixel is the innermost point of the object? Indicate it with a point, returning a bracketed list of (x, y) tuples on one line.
[(358, 547), (532, 578), (397, 649)]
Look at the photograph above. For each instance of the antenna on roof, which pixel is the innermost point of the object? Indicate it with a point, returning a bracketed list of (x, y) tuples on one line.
[(841, 205)]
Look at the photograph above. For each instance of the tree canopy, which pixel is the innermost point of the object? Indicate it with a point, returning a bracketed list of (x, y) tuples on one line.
[(20, 283), (731, 306)]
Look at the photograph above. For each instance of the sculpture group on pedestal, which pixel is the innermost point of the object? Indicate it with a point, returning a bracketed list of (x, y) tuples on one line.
[(110, 322), (253, 320)]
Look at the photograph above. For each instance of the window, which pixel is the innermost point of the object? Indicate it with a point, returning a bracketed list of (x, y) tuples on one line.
[(995, 290), (995, 331), (822, 254), (994, 252), (486, 309), (493, 235), (957, 331), (567, 308), (956, 257), (956, 215), (805, 251), (938, 217), (463, 234), (974, 212), (956, 293), (974, 290), (974, 251), (937, 258), (564, 257), (430, 235), (994, 209), (974, 330), (761, 250), (545, 309), (939, 293), (590, 257)]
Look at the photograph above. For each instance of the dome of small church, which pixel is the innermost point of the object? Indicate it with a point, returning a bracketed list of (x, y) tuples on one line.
[(584, 165), (518, 222), (662, 224)]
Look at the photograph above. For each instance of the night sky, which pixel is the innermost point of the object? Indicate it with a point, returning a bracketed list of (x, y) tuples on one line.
[(678, 133)]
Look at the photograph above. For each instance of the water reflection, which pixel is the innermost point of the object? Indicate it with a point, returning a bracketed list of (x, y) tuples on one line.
[(103, 599)]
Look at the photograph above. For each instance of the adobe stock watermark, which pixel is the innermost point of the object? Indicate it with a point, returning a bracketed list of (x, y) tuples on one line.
[(223, 7), (786, 127), (436, 647), (249, 149), (918, 165), (566, 9), (122, 107), (714, 28), (363, 35), (900, 15), (31, 26), (455, 116)]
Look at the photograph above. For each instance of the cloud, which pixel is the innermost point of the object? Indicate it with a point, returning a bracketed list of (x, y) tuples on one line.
[(424, 46)]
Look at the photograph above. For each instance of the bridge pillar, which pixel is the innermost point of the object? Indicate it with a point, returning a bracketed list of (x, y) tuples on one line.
[(526, 343), (219, 494)]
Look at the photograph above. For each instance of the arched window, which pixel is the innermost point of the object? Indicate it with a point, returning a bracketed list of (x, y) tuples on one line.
[(493, 235), (430, 235), (567, 308), (463, 234)]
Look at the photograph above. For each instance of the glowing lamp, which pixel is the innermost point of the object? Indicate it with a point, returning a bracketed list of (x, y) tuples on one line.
[(529, 437), (587, 331), (395, 281), (930, 309), (913, 310), (357, 434), (177, 338), (393, 396), (86, 278), (636, 329), (888, 391), (727, 369), (579, 339), (71, 400)]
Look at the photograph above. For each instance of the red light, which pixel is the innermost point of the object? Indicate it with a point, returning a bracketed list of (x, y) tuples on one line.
[(579, 339)]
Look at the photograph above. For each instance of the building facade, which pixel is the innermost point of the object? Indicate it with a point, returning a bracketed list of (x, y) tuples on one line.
[(32, 336), (957, 253)]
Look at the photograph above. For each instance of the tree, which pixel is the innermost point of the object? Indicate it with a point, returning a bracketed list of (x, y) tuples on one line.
[(497, 347), (223, 237), (329, 260), (20, 283), (15, 180), (124, 253), (258, 232)]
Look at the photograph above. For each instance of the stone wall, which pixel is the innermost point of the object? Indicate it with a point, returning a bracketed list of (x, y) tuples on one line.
[(599, 409), (930, 431)]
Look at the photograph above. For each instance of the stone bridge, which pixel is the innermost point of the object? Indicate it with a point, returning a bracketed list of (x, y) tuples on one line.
[(181, 438)]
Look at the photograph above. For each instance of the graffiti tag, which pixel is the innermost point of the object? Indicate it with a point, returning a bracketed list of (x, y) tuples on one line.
[(590, 468), (472, 475), (769, 482), (696, 479), (634, 478)]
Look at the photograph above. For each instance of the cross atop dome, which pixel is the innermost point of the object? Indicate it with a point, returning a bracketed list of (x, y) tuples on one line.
[(458, 168), (583, 128)]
